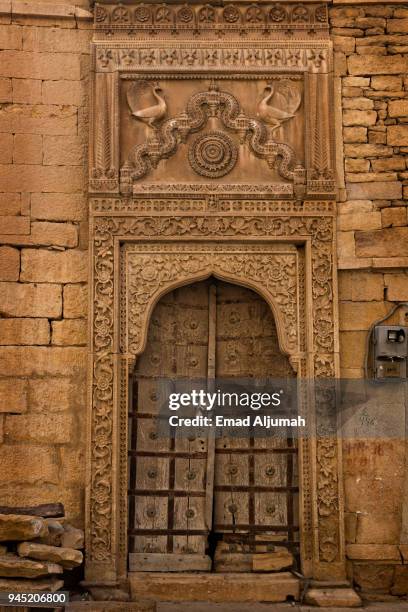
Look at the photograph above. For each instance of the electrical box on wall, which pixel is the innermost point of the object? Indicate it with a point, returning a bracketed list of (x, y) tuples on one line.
[(390, 351)]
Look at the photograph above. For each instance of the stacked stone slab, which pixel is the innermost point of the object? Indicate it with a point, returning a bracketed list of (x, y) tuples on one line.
[(36, 550)]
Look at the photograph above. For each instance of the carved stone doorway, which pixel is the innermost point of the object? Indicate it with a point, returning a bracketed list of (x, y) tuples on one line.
[(196, 503)]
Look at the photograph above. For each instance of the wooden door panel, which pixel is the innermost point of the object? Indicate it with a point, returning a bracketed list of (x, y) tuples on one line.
[(230, 508), (232, 470), (270, 509), (190, 474), (152, 473), (149, 437)]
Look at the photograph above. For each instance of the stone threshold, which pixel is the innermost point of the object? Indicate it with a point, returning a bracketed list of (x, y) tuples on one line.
[(228, 587)]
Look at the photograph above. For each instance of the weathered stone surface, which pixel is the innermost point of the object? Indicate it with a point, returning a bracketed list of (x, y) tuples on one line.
[(373, 577), (42, 510), (27, 91), (55, 533), (397, 287), (27, 149), (43, 463), (9, 263), (64, 150), (373, 64), (375, 191), (333, 598), (395, 216), (361, 286), (355, 206), (46, 266), (69, 332), (388, 163), (25, 65), (367, 150), (357, 316), (352, 348), (46, 428), (390, 242), (12, 566), (23, 300), (72, 537), (354, 134), (398, 108), (66, 557), (14, 225), (42, 584), (371, 552), (64, 92), (19, 527), (277, 560), (24, 331), (75, 301), (345, 244), (400, 586), (377, 528), (54, 234), (356, 165), (58, 206), (55, 394), (359, 221), (369, 177), (356, 82), (359, 117), (13, 395), (397, 135), (386, 83), (350, 526), (10, 204)]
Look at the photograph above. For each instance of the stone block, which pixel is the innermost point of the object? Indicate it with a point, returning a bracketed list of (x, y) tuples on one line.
[(352, 349), (388, 163), (331, 598), (386, 83), (68, 179), (12, 566), (356, 81), (390, 242), (46, 233), (10, 204), (21, 527), (64, 151), (55, 533), (365, 65), (394, 216), (27, 149), (14, 225), (367, 150), (400, 582), (56, 394), (58, 206), (373, 552), (361, 286), (27, 65), (24, 585), (359, 221), (355, 206), (387, 190), (354, 134), (13, 395), (72, 537), (398, 108), (397, 26), (350, 526), (358, 103), (373, 577), (9, 264), (26, 91), (340, 63), (24, 331), (397, 287), (46, 266), (358, 316), (39, 119), (356, 165), (73, 462), (346, 44), (75, 301), (42, 361), (6, 91), (70, 332), (377, 528), (11, 37), (42, 428), (64, 92), (29, 300), (68, 558), (345, 245), (56, 40), (370, 177), (359, 117), (397, 135)]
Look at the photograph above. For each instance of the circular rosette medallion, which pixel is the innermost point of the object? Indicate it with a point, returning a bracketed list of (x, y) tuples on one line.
[(213, 154)]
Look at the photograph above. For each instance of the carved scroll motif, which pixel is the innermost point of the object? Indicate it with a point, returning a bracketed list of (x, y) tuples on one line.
[(201, 106), (103, 174)]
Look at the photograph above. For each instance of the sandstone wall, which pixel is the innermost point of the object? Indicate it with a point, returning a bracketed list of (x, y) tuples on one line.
[(44, 77), (371, 49)]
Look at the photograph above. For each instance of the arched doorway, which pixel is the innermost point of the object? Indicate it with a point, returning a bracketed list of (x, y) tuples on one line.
[(191, 506)]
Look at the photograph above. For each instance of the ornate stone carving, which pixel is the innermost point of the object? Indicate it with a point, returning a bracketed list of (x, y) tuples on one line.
[(213, 154), (200, 107)]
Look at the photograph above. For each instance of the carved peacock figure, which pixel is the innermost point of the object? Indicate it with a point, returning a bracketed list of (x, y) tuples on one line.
[(151, 114), (275, 116)]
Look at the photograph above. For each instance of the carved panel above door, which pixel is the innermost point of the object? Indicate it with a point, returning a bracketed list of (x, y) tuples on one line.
[(205, 98)]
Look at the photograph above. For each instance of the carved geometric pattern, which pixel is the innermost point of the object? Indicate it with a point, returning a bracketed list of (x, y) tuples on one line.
[(213, 154)]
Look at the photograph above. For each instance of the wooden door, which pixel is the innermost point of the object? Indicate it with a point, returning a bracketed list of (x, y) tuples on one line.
[(204, 330)]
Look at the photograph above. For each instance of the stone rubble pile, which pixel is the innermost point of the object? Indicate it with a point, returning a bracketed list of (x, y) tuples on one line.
[(36, 546)]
